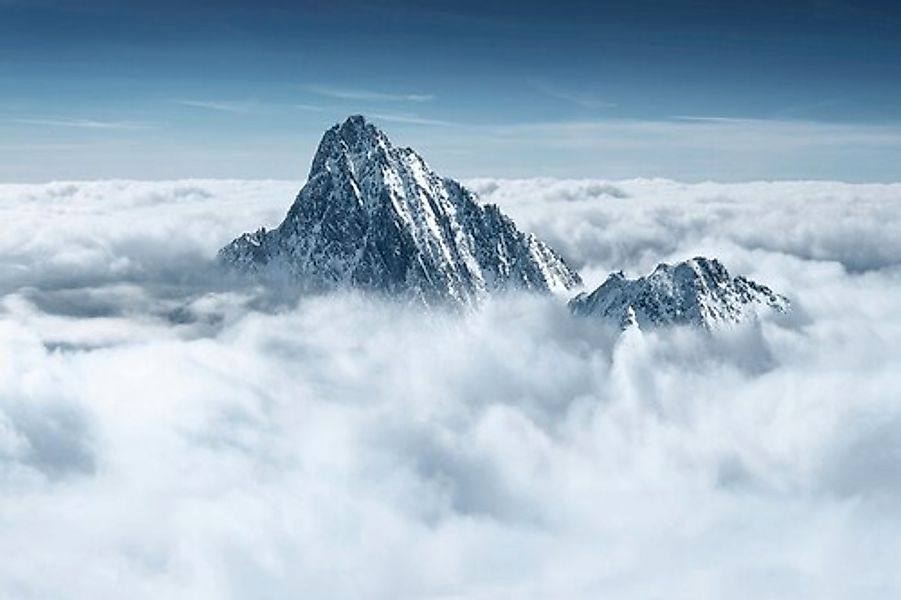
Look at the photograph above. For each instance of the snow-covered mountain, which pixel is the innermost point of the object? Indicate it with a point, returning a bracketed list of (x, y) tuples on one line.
[(696, 292), (374, 216)]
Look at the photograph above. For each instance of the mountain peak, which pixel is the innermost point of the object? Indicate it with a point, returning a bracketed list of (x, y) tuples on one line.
[(346, 144), (356, 130), (354, 121), (698, 291), (374, 216)]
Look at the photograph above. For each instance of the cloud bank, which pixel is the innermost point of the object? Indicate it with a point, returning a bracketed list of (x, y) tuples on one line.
[(168, 432)]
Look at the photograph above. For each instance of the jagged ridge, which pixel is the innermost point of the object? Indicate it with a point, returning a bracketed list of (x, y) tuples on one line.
[(697, 292), (374, 216)]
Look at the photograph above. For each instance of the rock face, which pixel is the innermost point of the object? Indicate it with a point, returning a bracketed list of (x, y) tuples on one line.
[(698, 292), (374, 216)]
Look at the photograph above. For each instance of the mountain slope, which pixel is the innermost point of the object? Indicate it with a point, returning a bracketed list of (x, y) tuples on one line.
[(698, 292), (374, 216)]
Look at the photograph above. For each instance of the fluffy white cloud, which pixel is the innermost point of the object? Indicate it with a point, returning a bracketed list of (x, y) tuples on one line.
[(164, 432), (632, 224)]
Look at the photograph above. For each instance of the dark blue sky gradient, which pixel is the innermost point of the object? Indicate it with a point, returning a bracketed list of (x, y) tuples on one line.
[(160, 89)]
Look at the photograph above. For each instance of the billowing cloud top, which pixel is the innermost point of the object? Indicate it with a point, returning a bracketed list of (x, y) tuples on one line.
[(165, 432)]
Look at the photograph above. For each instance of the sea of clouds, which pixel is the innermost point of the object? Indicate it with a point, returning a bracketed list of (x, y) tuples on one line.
[(165, 433)]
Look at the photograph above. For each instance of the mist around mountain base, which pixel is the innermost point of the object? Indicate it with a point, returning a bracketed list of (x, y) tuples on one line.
[(176, 433)]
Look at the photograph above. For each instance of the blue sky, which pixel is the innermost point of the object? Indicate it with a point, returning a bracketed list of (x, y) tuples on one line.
[(689, 90)]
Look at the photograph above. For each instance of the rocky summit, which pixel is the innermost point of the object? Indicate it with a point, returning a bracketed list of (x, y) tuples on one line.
[(373, 216), (698, 292)]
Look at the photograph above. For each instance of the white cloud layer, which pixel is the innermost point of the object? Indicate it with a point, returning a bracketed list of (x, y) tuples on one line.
[(165, 432)]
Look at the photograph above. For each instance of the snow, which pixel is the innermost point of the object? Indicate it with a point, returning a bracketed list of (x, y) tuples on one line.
[(443, 244), (697, 292)]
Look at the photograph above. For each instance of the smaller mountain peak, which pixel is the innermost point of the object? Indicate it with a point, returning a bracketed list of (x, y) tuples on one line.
[(698, 291), (707, 264), (697, 261), (709, 269)]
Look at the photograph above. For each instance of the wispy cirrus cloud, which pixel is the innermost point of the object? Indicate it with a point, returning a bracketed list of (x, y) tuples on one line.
[(80, 123), (309, 107), (581, 98), (688, 147), (411, 119), (246, 106), (342, 93), (678, 133), (711, 119), (230, 106)]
